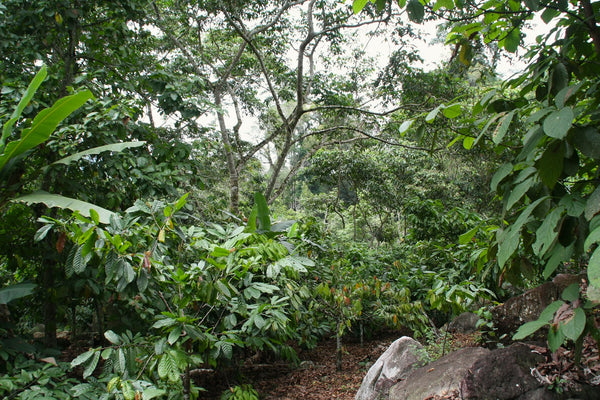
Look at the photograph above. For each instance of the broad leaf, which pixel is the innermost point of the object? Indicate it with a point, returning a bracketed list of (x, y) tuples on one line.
[(55, 200), (547, 233), (44, 124), (593, 271), (118, 147), (502, 172), (452, 111), (528, 328), (358, 5), (587, 140), (415, 10), (502, 127), (31, 89), (558, 123), (16, 291), (550, 164), (574, 327)]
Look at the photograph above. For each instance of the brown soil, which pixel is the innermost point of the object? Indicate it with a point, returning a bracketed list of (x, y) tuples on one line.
[(316, 377)]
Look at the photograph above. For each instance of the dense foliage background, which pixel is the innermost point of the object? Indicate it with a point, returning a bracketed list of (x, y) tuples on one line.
[(186, 184)]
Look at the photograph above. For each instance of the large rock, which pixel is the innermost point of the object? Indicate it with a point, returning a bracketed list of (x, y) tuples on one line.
[(526, 307), (464, 323), (439, 378), (503, 374), (475, 373), (395, 363)]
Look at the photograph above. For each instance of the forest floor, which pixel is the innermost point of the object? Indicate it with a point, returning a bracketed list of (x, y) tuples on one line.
[(317, 378)]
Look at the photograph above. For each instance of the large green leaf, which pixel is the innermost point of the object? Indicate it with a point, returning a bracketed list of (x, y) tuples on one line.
[(508, 240), (550, 164), (16, 291), (502, 127), (574, 327), (558, 123), (593, 271), (547, 233), (31, 89), (44, 124), (56, 200), (264, 219), (415, 10), (118, 147)]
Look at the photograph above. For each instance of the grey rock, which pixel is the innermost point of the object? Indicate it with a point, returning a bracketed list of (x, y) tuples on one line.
[(526, 307), (464, 323), (439, 378), (503, 374), (404, 355)]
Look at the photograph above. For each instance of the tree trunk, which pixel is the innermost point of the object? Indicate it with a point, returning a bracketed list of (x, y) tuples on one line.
[(234, 195), (338, 346)]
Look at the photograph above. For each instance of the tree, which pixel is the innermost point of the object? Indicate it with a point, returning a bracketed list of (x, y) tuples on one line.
[(543, 121)]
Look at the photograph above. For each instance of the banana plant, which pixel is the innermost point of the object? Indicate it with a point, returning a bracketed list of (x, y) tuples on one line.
[(40, 130)]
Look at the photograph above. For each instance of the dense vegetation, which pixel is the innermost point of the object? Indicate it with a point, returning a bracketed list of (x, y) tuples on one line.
[(186, 184)]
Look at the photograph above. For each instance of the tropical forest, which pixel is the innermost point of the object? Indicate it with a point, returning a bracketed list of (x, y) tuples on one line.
[(253, 199)]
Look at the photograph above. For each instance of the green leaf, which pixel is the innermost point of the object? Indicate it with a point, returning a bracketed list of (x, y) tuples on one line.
[(79, 262), (16, 291), (174, 335), (358, 5), (91, 365), (453, 111), (533, 5), (181, 202), (127, 389), (571, 292), (43, 125), (166, 366), (502, 172), (547, 314), (593, 271), (502, 127), (587, 140), (42, 232), (161, 323), (512, 40), (550, 164), (116, 147), (467, 236), (151, 393), (565, 94), (447, 4), (508, 241), (55, 200), (528, 329), (549, 14), (25, 100), (574, 327), (405, 126), (263, 217), (80, 359), (468, 142), (433, 113), (555, 339), (547, 233), (220, 252), (593, 237), (112, 337), (558, 254), (558, 123), (415, 10), (592, 205), (518, 192)]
